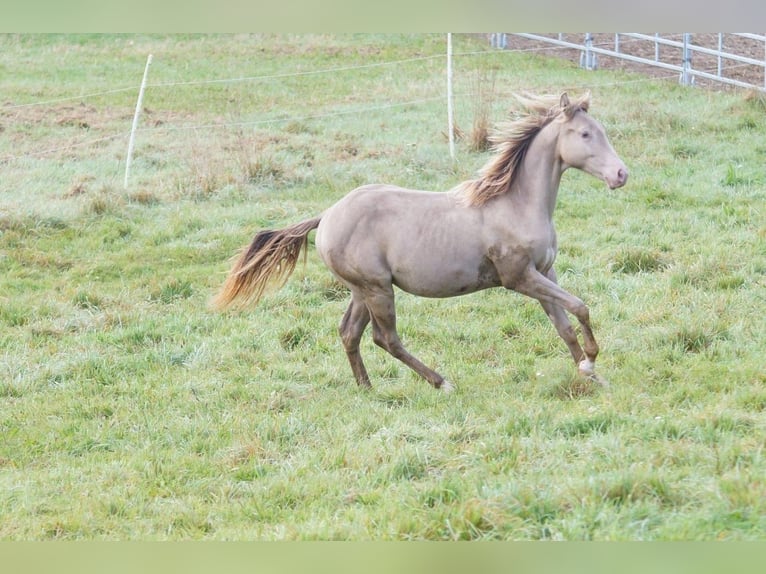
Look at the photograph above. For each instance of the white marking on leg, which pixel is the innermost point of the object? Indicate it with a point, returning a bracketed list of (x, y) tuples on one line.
[(586, 366), (446, 387)]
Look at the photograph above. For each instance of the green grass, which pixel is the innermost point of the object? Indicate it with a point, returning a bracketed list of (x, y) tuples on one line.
[(128, 410)]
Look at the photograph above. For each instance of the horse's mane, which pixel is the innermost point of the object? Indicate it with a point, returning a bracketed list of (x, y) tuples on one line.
[(510, 142)]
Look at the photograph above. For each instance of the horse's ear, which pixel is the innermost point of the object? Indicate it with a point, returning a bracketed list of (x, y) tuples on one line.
[(566, 106), (585, 101)]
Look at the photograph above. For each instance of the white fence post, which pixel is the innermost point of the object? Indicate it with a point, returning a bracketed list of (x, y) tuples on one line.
[(132, 140), (450, 112)]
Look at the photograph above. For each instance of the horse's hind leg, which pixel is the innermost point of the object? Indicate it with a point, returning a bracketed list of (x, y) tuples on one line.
[(352, 326), (383, 315)]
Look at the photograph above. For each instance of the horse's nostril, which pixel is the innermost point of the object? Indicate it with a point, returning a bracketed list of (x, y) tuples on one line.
[(622, 175)]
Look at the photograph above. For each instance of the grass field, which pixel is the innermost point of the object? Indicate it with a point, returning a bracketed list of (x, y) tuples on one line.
[(129, 411)]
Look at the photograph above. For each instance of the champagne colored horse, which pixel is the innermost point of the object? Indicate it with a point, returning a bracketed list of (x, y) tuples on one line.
[(492, 231)]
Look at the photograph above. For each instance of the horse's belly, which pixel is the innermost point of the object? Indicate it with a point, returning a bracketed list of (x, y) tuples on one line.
[(446, 280), (545, 262)]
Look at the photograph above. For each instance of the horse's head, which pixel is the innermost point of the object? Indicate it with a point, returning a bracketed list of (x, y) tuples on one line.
[(583, 144)]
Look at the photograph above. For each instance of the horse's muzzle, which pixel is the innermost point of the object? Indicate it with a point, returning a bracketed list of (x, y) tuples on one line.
[(619, 179)]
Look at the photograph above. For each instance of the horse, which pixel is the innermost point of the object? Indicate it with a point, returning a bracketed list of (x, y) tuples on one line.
[(492, 231)]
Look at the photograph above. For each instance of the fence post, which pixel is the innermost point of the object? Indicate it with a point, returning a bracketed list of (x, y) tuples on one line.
[(720, 50), (132, 140), (656, 47), (498, 40), (588, 58), (686, 77), (450, 112)]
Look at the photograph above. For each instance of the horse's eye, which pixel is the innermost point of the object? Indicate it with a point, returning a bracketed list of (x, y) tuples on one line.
[(585, 135)]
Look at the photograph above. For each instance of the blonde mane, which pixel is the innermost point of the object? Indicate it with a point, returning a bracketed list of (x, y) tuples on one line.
[(510, 142)]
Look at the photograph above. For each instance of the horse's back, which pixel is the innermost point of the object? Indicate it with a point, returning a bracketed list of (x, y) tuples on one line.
[(377, 209)]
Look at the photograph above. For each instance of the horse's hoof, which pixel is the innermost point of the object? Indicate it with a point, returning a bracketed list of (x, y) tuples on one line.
[(596, 378), (446, 387)]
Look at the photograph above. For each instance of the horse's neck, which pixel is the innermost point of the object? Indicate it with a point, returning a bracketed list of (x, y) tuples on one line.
[(537, 184)]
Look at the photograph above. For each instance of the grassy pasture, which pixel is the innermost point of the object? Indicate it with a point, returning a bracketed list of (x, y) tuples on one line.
[(129, 411)]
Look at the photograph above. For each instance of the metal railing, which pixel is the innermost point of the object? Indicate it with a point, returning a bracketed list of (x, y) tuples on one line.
[(589, 53)]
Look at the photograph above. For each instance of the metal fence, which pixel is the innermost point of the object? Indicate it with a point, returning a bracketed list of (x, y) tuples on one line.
[(737, 59)]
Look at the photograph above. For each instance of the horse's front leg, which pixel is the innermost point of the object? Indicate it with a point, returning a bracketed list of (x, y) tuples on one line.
[(560, 320), (555, 300)]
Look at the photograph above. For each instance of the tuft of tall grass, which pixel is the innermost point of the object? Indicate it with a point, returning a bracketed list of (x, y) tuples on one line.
[(172, 291), (485, 95), (638, 261)]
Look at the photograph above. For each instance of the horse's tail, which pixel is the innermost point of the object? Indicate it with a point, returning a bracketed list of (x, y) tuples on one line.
[(270, 257)]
